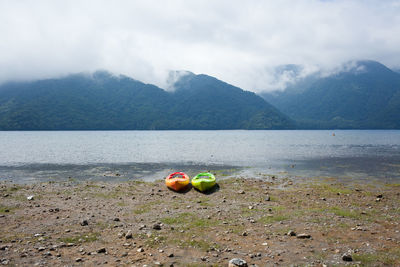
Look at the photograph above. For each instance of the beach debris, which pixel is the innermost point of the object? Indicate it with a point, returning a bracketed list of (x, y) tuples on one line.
[(303, 236), (236, 262), (30, 197)]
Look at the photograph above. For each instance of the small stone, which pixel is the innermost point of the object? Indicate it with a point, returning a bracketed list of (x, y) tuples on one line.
[(116, 220), (347, 257), (157, 226), (157, 263), (78, 259), (379, 196), (101, 250), (267, 198), (170, 255), (244, 234), (303, 236), (41, 248), (140, 250), (240, 192), (128, 234), (84, 222), (291, 233), (30, 198), (160, 250), (142, 226), (237, 262)]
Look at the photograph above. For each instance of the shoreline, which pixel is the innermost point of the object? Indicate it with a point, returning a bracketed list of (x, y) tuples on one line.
[(263, 221)]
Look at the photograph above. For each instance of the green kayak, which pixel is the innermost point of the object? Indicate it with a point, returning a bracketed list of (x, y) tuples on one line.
[(203, 181)]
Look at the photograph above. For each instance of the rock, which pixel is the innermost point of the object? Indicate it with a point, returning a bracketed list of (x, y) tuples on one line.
[(78, 259), (140, 250), (128, 234), (157, 226), (244, 234), (291, 233), (379, 196), (237, 262), (170, 255), (267, 198), (240, 192), (41, 248), (101, 250), (3, 247), (347, 257), (157, 263), (142, 226), (303, 236), (29, 197), (116, 220), (84, 222)]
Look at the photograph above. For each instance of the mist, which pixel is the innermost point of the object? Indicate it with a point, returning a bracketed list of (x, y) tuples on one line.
[(240, 42)]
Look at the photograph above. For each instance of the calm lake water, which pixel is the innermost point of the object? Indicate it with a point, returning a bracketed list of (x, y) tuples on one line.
[(122, 155)]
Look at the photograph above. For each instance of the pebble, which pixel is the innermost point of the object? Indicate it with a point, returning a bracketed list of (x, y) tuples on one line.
[(347, 257), (240, 192), (128, 234), (116, 220), (41, 248), (291, 233), (101, 250), (78, 259), (157, 226), (267, 198), (30, 198), (237, 262), (170, 255), (84, 223), (140, 250), (142, 226)]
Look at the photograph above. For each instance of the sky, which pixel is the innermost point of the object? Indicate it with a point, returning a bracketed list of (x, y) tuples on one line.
[(240, 42)]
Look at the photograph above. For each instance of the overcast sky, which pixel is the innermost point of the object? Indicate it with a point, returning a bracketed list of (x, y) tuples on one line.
[(236, 41)]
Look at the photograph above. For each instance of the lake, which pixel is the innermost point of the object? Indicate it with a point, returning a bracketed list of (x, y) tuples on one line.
[(30, 156)]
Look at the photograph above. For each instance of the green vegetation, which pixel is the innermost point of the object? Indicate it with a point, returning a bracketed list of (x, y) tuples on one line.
[(102, 101), (82, 238), (386, 257), (187, 220), (146, 207), (346, 100)]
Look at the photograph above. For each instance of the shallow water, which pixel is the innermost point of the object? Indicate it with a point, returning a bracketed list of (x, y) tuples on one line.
[(124, 155)]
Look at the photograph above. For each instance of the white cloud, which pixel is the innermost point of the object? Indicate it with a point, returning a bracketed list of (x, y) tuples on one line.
[(236, 41)]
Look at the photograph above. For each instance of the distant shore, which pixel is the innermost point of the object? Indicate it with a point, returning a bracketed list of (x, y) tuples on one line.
[(262, 221)]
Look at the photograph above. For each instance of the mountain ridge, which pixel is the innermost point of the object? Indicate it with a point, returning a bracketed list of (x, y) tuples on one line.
[(103, 101)]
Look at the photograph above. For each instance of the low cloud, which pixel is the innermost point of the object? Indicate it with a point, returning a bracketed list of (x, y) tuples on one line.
[(241, 42)]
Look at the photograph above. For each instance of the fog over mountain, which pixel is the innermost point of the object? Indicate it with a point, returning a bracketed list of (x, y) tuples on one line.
[(240, 42)]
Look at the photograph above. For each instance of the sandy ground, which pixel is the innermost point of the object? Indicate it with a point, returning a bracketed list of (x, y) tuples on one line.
[(262, 221)]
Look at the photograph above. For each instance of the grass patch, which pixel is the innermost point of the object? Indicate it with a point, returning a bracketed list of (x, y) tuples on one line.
[(146, 207), (188, 220), (273, 218), (389, 258), (344, 213), (6, 209), (78, 239)]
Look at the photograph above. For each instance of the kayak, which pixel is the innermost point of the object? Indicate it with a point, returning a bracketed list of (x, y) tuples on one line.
[(177, 181), (203, 181)]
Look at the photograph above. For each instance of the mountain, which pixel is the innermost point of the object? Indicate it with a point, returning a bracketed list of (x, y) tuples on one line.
[(103, 101), (365, 95)]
